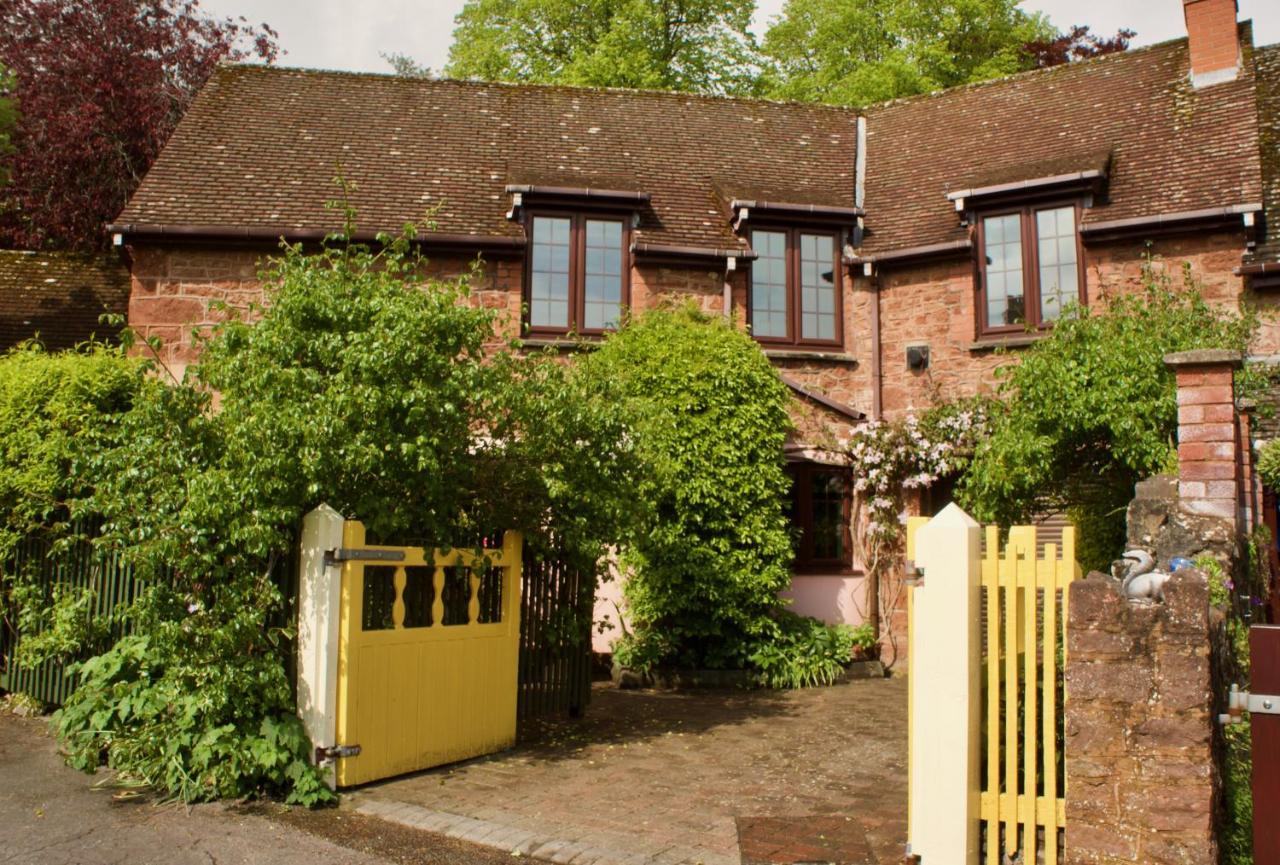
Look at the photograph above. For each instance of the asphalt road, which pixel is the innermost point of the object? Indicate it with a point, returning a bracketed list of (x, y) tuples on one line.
[(52, 815)]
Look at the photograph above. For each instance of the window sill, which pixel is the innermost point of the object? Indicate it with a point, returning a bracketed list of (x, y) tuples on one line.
[(560, 343), (810, 354), (991, 343)]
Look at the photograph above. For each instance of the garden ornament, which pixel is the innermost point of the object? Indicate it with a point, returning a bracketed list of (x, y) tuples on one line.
[(1139, 579)]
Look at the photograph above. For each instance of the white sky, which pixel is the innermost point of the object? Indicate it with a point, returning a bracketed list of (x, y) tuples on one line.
[(340, 34)]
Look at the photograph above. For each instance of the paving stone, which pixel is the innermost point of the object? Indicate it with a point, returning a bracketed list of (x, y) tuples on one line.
[(662, 778)]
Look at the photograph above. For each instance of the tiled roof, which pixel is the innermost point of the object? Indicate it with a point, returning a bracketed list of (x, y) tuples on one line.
[(58, 296), (1267, 65), (261, 146), (1172, 148)]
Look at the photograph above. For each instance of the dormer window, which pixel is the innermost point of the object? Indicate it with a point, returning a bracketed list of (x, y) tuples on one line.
[(577, 273), (795, 286), (1029, 263)]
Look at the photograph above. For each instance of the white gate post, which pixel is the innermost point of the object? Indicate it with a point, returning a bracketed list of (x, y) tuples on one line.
[(944, 685), (319, 596)]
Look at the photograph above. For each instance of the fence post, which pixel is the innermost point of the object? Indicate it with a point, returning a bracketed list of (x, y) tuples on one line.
[(319, 597), (944, 691)]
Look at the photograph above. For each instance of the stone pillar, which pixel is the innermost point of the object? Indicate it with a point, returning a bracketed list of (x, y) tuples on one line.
[(1138, 725), (1208, 464)]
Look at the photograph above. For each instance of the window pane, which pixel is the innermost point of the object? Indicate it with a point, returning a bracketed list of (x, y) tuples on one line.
[(827, 494), (769, 284), (1056, 245), (549, 272), (602, 282), (817, 286), (1002, 236)]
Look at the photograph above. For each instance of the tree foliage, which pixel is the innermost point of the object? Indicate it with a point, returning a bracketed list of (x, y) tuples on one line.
[(711, 548), (55, 411), (362, 384), (102, 86), (8, 119), (1077, 43), (1091, 409), (688, 45), (855, 52)]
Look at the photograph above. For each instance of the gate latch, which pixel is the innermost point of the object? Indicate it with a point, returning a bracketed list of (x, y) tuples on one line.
[(325, 755), (1240, 702)]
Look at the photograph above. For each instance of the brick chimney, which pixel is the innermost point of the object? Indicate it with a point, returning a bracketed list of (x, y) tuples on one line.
[(1214, 40)]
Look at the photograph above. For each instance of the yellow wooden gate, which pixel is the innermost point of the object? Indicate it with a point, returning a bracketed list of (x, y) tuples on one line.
[(1012, 663), (428, 649)]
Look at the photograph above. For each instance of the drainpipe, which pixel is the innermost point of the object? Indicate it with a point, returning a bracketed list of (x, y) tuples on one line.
[(877, 379), (730, 266)]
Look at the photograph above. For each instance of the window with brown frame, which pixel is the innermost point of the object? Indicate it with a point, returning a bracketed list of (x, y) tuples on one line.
[(1029, 261), (821, 507), (577, 273), (795, 287)]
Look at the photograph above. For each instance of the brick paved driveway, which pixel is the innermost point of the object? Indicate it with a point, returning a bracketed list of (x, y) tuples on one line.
[(654, 778)]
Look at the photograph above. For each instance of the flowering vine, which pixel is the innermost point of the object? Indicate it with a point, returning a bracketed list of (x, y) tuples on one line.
[(890, 457)]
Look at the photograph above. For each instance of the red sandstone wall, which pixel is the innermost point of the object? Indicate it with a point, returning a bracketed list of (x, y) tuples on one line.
[(173, 288), (934, 304)]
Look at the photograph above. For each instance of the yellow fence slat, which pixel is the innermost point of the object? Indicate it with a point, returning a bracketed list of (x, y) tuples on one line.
[(991, 581), (1027, 572), (1024, 589), (1010, 693), (1049, 731)]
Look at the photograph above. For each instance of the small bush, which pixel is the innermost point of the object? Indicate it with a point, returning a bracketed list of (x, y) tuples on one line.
[(803, 652), (711, 546)]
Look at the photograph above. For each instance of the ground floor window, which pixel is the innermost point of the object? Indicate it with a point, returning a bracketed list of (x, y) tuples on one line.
[(821, 507)]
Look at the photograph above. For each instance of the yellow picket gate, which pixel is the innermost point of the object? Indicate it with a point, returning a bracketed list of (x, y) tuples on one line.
[(1009, 790), (428, 651)]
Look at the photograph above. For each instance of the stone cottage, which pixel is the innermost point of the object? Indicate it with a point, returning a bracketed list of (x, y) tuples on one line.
[(878, 256)]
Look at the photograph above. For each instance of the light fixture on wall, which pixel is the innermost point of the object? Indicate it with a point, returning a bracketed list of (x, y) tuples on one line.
[(917, 357)]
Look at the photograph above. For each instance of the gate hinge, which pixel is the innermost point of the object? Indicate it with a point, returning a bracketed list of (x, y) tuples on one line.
[(359, 554), (325, 755), (1239, 702)]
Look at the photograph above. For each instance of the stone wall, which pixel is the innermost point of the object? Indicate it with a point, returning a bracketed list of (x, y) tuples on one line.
[(1138, 726), (935, 304)]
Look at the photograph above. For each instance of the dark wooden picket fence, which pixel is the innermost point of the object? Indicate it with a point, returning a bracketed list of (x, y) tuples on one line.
[(77, 565), (555, 633), (555, 636)]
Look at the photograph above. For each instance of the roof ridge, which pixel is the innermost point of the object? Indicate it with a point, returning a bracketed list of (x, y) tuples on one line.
[(1060, 68), (533, 85)]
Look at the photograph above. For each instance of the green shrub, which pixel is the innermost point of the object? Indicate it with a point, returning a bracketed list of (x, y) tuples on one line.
[(1091, 409), (55, 409), (803, 652), (362, 386), (1269, 464), (711, 546)]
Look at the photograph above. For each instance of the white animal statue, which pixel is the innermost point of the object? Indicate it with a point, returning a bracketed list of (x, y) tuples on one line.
[(1139, 579)]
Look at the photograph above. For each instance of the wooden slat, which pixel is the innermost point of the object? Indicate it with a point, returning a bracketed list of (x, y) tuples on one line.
[(1049, 731), (1010, 695), (1027, 572), (991, 579)]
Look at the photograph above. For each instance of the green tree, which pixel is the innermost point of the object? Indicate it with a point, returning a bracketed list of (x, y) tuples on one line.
[(8, 120), (699, 46), (855, 52), (1091, 409)]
